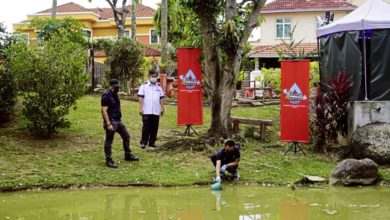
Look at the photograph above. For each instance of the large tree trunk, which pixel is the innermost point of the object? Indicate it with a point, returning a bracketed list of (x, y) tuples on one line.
[(164, 31), (133, 19), (54, 9), (220, 77)]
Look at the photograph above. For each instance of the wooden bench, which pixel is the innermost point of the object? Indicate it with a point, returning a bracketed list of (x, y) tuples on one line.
[(236, 121)]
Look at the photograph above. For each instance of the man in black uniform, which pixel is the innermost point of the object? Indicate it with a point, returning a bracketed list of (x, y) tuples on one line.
[(111, 112)]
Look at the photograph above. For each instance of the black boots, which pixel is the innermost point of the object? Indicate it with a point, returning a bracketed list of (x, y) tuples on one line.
[(110, 163), (131, 157)]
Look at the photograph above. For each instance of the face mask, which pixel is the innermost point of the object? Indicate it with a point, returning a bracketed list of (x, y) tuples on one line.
[(153, 80)]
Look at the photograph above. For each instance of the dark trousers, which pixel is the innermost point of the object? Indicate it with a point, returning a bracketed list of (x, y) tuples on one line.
[(122, 131), (149, 129), (230, 169)]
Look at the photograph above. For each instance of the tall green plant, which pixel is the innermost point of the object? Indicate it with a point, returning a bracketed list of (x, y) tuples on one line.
[(272, 78), (125, 60), (55, 73), (331, 109)]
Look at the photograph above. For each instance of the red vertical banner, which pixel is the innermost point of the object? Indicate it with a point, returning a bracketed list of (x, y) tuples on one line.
[(190, 95), (294, 117)]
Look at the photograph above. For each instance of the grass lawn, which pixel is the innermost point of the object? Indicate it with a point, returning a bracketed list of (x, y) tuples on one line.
[(75, 156)]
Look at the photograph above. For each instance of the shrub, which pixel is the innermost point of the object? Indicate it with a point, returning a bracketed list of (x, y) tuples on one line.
[(53, 77), (331, 109), (8, 94), (272, 78), (125, 60)]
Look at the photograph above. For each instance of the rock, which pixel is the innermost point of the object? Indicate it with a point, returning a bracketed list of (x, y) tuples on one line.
[(372, 141), (355, 172), (310, 180), (257, 104)]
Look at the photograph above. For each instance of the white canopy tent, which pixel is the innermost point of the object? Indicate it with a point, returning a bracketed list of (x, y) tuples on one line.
[(374, 14)]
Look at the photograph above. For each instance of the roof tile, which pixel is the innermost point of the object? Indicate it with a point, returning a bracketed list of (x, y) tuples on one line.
[(104, 13), (269, 51), (296, 5)]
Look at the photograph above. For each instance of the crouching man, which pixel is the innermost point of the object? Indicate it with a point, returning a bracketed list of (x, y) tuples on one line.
[(227, 159)]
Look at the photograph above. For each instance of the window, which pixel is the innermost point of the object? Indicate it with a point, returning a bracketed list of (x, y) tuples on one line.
[(127, 33), (88, 34), (283, 28), (153, 37)]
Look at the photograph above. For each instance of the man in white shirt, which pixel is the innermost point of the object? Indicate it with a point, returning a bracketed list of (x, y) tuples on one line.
[(151, 106)]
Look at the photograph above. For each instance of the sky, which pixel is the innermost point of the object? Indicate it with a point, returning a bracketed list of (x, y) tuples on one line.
[(15, 11)]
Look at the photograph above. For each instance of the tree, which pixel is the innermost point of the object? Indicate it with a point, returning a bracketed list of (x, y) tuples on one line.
[(134, 19), (8, 90), (164, 31), (52, 76), (183, 25), (120, 15), (124, 59), (68, 29), (54, 9), (226, 27)]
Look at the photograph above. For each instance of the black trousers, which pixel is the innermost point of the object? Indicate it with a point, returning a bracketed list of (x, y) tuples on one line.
[(120, 128), (231, 169), (149, 129)]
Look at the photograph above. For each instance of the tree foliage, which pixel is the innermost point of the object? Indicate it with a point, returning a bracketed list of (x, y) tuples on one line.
[(226, 27), (67, 29), (125, 59), (183, 25), (8, 90), (51, 76)]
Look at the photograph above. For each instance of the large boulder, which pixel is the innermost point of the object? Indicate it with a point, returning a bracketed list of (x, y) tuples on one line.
[(355, 172), (372, 141)]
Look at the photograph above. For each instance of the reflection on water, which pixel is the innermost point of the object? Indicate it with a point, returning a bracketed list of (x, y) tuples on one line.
[(234, 202)]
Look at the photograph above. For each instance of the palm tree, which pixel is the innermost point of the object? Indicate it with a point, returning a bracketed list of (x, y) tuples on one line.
[(164, 31), (134, 18), (54, 9)]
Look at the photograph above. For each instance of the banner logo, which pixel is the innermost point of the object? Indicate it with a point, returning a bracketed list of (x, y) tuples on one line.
[(189, 80), (294, 95)]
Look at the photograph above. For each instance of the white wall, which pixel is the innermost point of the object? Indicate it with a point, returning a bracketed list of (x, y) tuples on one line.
[(305, 26)]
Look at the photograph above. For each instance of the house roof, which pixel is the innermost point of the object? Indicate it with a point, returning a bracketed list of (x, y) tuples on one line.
[(103, 13), (148, 52), (306, 5), (269, 51)]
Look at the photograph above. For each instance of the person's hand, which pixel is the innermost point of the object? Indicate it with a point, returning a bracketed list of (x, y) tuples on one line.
[(223, 168), (110, 127), (162, 112), (218, 179), (141, 112)]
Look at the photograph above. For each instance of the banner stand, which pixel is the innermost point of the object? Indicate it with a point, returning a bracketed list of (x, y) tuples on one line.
[(188, 131), (294, 146)]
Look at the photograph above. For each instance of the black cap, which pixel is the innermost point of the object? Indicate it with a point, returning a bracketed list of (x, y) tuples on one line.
[(114, 82)]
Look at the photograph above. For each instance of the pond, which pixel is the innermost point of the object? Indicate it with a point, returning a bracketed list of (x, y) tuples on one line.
[(233, 202)]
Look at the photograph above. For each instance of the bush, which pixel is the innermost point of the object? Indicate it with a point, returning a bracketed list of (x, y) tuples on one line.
[(53, 77), (272, 78), (331, 109), (8, 94), (125, 60)]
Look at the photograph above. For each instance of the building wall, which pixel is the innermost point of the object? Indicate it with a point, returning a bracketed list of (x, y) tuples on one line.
[(99, 28), (305, 26)]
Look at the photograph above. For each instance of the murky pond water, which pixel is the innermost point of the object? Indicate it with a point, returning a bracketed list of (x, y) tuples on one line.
[(234, 202)]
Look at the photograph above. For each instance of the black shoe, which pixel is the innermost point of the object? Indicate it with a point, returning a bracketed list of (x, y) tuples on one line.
[(236, 176), (131, 157), (111, 164), (152, 145), (143, 146)]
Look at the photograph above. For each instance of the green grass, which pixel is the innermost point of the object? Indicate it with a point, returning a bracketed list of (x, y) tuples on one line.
[(75, 156)]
